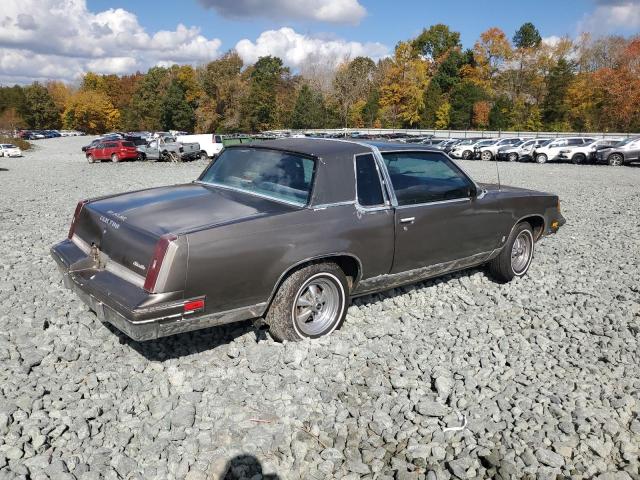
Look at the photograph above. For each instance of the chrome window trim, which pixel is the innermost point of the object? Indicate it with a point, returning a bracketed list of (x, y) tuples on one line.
[(240, 190), (437, 202)]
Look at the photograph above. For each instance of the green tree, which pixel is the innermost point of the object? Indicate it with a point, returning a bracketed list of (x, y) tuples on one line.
[(433, 100), (436, 41), (554, 107), (13, 97), (176, 112), (148, 98), (309, 109), (499, 116), (527, 36), (41, 110), (463, 98), (260, 109)]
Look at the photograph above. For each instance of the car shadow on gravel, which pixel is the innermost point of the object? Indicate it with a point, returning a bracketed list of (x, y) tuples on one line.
[(244, 467), (190, 343), (4, 169)]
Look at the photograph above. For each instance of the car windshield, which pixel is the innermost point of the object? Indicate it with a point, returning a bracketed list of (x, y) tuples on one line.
[(467, 142), (485, 143), (271, 173), (626, 140), (8, 145)]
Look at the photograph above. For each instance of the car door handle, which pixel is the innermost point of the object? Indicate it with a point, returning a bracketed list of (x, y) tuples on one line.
[(408, 220)]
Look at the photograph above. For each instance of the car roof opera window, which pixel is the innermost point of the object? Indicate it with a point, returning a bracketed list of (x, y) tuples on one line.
[(368, 185), (425, 177)]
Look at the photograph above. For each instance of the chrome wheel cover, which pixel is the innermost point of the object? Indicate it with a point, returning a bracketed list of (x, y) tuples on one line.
[(521, 252), (317, 306)]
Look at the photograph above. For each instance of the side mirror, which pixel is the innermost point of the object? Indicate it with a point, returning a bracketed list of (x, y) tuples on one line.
[(473, 191)]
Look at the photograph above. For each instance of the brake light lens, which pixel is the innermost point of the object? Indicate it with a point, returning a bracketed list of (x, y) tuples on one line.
[(76, 216), (156, 262)]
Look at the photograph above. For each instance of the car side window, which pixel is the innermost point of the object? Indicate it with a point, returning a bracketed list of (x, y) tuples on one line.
[(424, 177), (368, 184), (111, 145), (574, 141)]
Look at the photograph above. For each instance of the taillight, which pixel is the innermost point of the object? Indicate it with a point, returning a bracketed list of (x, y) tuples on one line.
[(76, 216), (156, 261)]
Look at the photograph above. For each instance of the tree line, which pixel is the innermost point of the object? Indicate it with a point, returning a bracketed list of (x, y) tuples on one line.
[(431, 81)]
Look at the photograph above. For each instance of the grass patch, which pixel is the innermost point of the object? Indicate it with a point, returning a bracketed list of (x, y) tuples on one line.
[(18, 142)]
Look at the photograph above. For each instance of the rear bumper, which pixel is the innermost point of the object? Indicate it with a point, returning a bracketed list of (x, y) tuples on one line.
[(129, 308)]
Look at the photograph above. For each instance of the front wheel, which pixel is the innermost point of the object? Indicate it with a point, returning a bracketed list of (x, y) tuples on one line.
[(541, 158), (486, 155), (616, 160), (90, 159), (516, 255), (310, 303), (466, 155), (115, 158), (512, 157), (204, 156), (579, 158)]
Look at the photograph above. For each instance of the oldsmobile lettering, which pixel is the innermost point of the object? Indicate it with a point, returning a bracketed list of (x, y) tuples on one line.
[(289, 231)]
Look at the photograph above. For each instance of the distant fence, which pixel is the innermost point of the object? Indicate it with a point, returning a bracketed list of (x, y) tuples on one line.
[(456, 133)]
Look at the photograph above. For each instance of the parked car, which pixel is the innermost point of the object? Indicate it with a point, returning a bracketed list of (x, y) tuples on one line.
[(587, 153), (551, 151), (522, 151), (290, 230), (114, 150), (624, 152), (465, 148), (210, 144), (9, 150), (167, 149), (448, 145), (488, 151)]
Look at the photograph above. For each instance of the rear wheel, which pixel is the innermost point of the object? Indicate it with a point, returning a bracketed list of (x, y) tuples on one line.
[(466, 155), (616, 160), (115, 158), (541, 158), (579, 158), (516, 255), (486, 155), (310, 303), (512, 157), (204, 156)]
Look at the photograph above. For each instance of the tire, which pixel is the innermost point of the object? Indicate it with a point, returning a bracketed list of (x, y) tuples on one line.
[(115, 158), (486, 155), (90, 159), (142, 157), (579, 158), (616, 160), (467, 154), (541, 158), (505, 267), (203, 155), (310, 303), (512, 157)]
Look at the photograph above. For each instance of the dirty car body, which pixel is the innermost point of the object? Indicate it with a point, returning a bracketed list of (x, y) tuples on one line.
[(166, 260)]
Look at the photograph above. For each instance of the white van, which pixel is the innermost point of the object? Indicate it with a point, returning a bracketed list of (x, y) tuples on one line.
[(210, 143)]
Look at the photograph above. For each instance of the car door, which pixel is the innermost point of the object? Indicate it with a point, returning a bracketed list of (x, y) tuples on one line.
[(439, 215), (633, 152), (98, 151)]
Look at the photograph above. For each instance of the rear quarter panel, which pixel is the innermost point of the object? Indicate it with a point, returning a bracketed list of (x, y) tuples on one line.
[(240, 264)]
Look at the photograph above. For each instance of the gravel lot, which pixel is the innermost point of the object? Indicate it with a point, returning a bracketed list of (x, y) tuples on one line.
[(545, 370)]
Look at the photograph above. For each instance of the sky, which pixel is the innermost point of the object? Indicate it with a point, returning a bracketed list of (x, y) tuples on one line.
[(61, 39)]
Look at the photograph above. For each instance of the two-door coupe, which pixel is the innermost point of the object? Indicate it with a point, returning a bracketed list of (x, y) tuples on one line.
[(289, 231)]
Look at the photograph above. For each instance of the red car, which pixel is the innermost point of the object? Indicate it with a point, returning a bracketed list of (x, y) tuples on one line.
[(114, 150)]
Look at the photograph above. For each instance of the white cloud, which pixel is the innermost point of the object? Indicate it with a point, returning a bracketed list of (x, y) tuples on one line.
[(612, 16), (61, 39), (334, 11), (551, 40), (296, 49)]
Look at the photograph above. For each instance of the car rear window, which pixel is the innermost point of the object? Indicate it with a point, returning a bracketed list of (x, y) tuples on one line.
[(274, 174)]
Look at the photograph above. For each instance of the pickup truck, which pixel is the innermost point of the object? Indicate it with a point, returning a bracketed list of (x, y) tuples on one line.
[(168, 149), (210, 144), (289, 231)]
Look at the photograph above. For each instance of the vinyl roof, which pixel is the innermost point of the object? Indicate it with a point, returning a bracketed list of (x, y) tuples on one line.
[(326, 147)]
